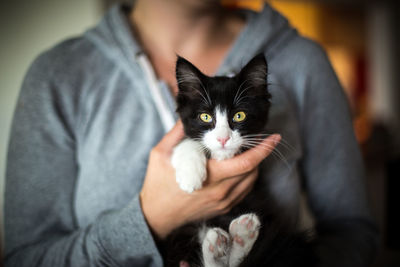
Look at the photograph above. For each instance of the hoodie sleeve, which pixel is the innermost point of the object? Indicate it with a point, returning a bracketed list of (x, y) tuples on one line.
[(41, 179), (333, 169)]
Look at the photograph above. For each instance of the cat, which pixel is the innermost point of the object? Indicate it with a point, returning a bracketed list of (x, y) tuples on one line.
[(222, 117)]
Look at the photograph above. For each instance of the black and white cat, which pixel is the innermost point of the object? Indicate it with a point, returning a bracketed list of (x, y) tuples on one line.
[(221, 118)]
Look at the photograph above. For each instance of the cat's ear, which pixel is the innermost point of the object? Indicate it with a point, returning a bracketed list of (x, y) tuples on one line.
[(254, 74), (189, 78)]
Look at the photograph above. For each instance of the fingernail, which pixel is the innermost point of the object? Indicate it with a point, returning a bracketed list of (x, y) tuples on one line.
[(276, 138)]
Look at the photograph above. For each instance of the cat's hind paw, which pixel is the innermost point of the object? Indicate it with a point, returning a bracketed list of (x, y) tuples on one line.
[(216, 247), (244, 232)]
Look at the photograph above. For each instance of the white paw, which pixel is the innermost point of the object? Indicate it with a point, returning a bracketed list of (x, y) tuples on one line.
[(216, 246), (190, 176), (190, 164), (244, 232)]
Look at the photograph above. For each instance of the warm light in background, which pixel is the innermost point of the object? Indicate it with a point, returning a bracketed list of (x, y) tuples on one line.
[(341, 32), (256, 5)]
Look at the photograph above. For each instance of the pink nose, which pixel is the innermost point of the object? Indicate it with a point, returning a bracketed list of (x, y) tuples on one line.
[(223, 140)]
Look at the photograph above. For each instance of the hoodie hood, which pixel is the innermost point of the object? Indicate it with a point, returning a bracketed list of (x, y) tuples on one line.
[(265, 31)]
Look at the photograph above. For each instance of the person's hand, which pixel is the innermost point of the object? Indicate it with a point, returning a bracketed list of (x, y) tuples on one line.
[(166, 207)]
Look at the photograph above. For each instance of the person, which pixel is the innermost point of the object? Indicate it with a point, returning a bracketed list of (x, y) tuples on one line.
[(89, 180)]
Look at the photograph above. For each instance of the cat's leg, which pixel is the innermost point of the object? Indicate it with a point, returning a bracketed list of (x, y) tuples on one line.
[(244, 232), (190, 163), (215, 248)]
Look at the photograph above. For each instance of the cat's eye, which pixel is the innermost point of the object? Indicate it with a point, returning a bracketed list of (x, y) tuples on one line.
[(205, 117), (239, 116)]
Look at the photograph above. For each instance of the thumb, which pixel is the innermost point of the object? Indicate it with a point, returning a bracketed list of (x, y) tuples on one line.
[(172, 138), (244, 162)]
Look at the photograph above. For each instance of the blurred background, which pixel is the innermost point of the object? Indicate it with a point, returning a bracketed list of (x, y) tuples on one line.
[(361, 38)]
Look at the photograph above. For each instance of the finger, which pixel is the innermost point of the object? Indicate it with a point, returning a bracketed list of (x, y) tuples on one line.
[(239, 192), (242, 190), (172, 138), (244, 162), (222, 187), (228, 181), (229, 188)]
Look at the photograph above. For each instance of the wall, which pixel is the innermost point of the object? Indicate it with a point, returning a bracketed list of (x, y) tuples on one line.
[(26, 29)]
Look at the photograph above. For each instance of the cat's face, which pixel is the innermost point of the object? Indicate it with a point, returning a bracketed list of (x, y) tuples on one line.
[(220, 112)]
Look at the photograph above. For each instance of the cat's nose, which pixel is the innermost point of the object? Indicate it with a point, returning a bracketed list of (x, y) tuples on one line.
[(223, 140)]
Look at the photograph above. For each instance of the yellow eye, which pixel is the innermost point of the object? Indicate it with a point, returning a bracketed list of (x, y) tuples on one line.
[(239, 116), (205, 117)]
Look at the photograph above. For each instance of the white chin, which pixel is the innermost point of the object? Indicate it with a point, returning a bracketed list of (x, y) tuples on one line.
[(223, 154)]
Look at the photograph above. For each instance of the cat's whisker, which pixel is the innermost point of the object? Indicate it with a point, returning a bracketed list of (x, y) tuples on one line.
[(204, 89), (282, 141), (249, 147), (280, 157), (202, 147), (240, 86), (191, 79), (205, 100), (187, 78), (259, 134), (261, 144), (239, 98), (208, 96), (273, 150)]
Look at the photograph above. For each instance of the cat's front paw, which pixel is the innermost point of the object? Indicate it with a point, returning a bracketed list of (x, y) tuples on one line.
[(216, 247), (190, 165), (190, 176)]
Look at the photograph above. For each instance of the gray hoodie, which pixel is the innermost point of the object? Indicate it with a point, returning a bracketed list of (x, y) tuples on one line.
[(91, 109)]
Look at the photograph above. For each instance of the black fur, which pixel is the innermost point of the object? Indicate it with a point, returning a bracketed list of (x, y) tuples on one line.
[(278, 243), (193, 86)]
